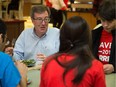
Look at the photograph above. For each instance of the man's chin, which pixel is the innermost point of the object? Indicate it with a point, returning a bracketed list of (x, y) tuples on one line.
[(108, 30)]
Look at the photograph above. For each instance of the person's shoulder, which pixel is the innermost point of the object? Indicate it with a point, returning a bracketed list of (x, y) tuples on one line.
[(4, 56), (97, 31), (28, 29), (96, 62), (98, 28), (96, 68), (53, 32), (54, 29)]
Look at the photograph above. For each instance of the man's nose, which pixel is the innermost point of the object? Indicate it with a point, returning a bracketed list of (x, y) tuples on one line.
[(43, 22)]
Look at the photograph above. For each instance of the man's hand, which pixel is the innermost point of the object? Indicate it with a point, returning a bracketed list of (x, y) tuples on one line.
[(23, 71), (9, 50), (41, 56)]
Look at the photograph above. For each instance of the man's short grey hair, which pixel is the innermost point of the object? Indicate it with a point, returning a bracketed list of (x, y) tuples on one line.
[(39, 9)]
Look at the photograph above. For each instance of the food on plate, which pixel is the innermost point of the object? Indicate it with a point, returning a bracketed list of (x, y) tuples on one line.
[(29, 63)]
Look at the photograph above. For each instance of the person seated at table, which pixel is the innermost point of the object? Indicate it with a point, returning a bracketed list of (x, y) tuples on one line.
[(104, 36), (39, 41), (8, 50), (74, 65), (11, 75)]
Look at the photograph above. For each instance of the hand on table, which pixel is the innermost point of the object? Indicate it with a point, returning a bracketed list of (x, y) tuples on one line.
[(22, 68), (108, 68), (41, 56), (23, 71)]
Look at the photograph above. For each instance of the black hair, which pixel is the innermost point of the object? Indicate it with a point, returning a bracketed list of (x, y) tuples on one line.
[(107, 10), (75, 39), (3, 29)]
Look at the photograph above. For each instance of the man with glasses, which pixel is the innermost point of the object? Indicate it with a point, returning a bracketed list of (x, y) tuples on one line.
[(40, 41)]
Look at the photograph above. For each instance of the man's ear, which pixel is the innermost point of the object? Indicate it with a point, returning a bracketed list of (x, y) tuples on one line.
[(0, 38), (2, 44)]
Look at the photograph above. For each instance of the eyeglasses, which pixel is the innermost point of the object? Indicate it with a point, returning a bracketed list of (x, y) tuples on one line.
[(40, 20)]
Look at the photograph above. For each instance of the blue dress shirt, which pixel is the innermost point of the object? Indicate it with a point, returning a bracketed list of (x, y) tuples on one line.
[(28, 44)]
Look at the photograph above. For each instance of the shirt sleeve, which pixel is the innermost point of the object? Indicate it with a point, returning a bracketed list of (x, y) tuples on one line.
[(11, 77), (100, 77), (18, 52)]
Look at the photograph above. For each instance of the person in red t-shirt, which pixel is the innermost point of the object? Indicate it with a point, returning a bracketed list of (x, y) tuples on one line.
[(74, 64), (104, 37)]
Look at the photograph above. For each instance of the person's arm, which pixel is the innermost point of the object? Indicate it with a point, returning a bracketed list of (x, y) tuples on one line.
[(41, 56), (42, 84), (10, 74), (9, 50), (18, 51), (108, 68), (23, 71), (99, 76)]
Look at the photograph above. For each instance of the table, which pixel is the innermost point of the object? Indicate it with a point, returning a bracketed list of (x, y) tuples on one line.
[(111, 80), (34, 75)]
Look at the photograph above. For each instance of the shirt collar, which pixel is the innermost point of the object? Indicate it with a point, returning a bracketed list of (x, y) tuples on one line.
[(33, 33)]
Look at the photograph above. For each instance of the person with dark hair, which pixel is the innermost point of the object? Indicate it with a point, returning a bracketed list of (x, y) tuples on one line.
[(3, 28), (104, 36), (42, 40), (74, 64), (11, 75)]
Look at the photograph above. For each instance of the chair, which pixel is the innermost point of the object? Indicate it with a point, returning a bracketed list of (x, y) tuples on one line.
[(18, 14)]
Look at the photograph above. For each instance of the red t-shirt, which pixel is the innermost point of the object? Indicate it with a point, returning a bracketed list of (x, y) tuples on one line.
[(105, 47), (48, 3), (52, 76)]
